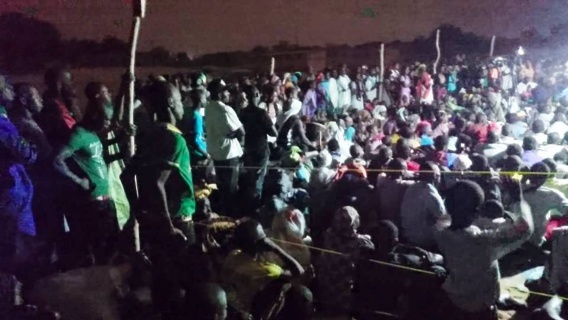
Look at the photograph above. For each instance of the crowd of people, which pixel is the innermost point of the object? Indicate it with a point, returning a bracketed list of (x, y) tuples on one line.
[(359, 193)]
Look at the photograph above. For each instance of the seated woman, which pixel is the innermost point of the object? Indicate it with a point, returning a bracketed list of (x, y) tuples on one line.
[(289, 232), (336, 272)]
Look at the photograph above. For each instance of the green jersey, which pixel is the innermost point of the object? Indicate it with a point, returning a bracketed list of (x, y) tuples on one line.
[(166, 147), (87, 152)]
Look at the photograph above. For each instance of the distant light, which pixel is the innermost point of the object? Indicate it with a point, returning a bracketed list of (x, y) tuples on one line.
[(520, 51)]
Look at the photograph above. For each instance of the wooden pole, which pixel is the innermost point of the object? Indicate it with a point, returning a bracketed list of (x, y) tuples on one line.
[(382, 75), (139, 11), (139, 8), (492, 46), (272, 65), (435, 69)]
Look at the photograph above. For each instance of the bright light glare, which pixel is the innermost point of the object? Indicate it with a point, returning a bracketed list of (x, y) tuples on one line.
[(521, 51)]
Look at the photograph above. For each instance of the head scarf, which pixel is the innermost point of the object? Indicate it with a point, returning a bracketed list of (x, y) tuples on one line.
[(346, 221), (462, 163), (288, 229), (292, 158)]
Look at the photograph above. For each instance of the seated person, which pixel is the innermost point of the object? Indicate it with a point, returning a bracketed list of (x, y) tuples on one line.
[(245, 272), (472, 253), (379, 287)]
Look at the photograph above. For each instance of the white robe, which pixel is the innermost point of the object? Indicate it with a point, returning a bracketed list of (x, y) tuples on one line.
[(344, 91), (371, 88), (333, 93)]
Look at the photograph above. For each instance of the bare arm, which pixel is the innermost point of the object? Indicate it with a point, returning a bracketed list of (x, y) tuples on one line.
[(290, 263), (237, 134), (61, 167), (162, 199), (299, 129)]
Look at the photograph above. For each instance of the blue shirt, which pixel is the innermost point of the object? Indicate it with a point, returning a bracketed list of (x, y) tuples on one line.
[(16, 189), (349, 134), (192, 127)]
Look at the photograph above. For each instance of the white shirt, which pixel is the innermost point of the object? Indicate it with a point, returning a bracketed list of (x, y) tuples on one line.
[(222, 120), (559, 127), (471, 258), (421, 210), (549, 151), (541, 202)]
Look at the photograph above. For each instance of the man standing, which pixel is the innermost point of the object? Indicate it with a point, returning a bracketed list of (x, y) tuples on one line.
[(17, 227), (224, 129), (162, 166), (92, 218), (258, 126)]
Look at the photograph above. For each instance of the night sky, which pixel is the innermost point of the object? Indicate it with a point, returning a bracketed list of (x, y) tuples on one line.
[(203, 26)]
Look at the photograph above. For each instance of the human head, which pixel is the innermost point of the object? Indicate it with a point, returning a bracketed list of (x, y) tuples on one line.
[(219, 91), (441, 143), (492, 137), (430, 172), (406, 132), (165, 102), (346, 220), (385, 237), (538, 126), (553, 138), (479, 162), (198, 97), (27, 97), (251, 94), (289, 223), (202, 209), (291, 93), (356, 151), (514, 150), (333, 145), (268, 94), (529, 144), (481, 118), (208, 301), (98, 93), (540, 172), (96, 115), (384, 155), (551, 165), (492, 209), (463, 201), (402, 149), (248, 235), (396, 168)]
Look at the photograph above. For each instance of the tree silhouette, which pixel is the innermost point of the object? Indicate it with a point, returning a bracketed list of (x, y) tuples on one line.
[(27, 43)]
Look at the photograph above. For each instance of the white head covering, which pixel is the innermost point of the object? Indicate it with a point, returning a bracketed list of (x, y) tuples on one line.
[(288, 229)]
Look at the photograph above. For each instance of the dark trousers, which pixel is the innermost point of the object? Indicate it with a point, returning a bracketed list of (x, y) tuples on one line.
[(227, 174), (256, 166), (94, 228)]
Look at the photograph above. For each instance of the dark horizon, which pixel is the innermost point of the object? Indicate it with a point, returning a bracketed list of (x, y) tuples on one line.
[(237, 26)]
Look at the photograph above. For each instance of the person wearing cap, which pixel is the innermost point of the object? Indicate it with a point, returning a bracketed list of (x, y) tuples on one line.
[(224, 129)]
